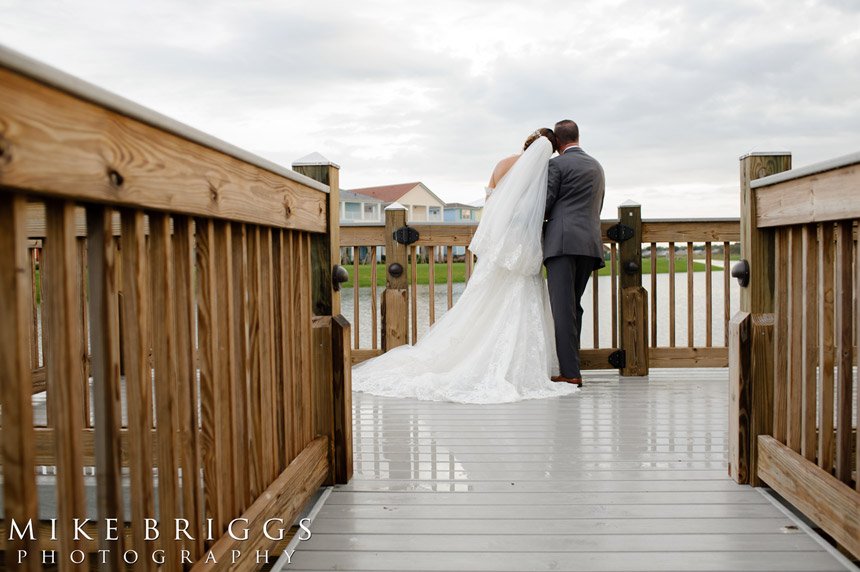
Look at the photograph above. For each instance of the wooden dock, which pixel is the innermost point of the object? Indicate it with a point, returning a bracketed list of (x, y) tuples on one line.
[(629, 474)]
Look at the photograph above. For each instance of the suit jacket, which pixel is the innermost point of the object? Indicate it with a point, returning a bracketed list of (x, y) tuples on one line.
[(574, 199)]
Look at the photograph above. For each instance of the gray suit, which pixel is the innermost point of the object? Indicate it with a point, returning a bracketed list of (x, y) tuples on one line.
[(572, 247)]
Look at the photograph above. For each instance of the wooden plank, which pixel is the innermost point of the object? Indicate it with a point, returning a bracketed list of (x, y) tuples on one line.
[(64, 368), (323, 399), (305, 338), (809, 339), (450, 279), (297, 331), (253, 397), (104, 313), (826, 196), (282, 391), (20, 503), (360, 355), (341, 381), (444, 234), (613, 280), (269, 405), (138, 379), (634, 330), (84, 324), (688, 357), (413, 291), (690, 296), (114, 165), (782, 252), (671, 294), (653, 295), (187, 396), (285, 497), (829, 503), (394, 311), (164, 361), (794, 422), (727, 290), (34, 310), (595, 309), (355, 297), (856, 356), (237, 340), (364, 235), (844, 322), (431, 286), (691, 231), (740, 398), (374, 324), (709, 302), (595, 358)]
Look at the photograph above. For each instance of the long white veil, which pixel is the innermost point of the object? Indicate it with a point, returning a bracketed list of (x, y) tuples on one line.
[(509, 234)]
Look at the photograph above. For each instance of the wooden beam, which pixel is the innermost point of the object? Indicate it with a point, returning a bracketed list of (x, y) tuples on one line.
[(688, 357), (826, 196), (720, 230), (17, 453), (739, 397), (122, 161), (831, 504), (360, 355), (342, 400), (283, 499)]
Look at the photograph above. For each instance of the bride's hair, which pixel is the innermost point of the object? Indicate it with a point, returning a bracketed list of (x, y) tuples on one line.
[(542, 132)]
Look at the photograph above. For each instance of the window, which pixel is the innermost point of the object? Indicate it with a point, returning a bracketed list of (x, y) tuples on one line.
[(435, 213), (465, 214), (353, 211), (370, 212)]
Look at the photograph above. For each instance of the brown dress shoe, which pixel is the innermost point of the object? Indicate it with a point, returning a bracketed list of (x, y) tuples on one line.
[(577, 381)]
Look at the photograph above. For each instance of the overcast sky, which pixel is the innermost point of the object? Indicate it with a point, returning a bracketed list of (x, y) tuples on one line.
[(668, 93)]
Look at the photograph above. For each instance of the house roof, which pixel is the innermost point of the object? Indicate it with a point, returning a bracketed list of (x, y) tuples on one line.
[(313, 159), (359, 197), (463, 206), (391, 193)]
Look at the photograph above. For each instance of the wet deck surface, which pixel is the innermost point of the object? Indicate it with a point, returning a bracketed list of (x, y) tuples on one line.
[(629, 474)]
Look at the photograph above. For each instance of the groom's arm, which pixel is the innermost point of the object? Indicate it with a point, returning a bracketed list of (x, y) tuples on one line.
[(553, 184)]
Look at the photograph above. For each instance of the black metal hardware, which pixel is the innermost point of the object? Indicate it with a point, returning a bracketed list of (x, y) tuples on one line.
[(339, 275), (618, 359), (631, 267), (741, 271), (396, 270), (619, 232), (406, 235)]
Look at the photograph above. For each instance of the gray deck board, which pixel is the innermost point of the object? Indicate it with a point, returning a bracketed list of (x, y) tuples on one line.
[(628, 474)]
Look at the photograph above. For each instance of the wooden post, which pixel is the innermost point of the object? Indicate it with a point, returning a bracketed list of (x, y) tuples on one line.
[(332, 360), (633, 307), (755, 416), (395, 315)]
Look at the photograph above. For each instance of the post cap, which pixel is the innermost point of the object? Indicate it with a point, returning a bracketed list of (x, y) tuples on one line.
[(765, 154), (314, 160), (630, 203), (395, 207)]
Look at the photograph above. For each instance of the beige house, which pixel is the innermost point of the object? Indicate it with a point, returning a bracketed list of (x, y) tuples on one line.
[(421, 203)]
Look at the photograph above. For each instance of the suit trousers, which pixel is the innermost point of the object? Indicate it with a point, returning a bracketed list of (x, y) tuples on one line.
[(567, 276)]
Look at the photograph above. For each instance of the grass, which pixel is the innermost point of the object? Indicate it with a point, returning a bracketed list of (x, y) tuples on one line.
[(458, 270)]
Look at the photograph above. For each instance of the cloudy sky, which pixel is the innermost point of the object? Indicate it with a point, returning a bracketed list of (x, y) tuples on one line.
[(668, 93)]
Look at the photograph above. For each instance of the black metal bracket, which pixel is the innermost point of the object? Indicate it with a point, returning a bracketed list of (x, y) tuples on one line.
[(406, 235), (619, 232), (339, 275), (741, 271), (618, 359)]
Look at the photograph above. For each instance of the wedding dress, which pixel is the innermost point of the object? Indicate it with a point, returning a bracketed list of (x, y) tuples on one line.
[(496, 344)]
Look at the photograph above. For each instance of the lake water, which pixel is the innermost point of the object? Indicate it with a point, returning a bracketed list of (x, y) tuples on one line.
[(605, 302)]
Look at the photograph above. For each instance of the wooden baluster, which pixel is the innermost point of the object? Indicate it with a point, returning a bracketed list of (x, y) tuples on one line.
[(20, 500), (164, 364), (857, 344), (307, 350), (709, 298), (794, 371), (653, 294), (450, 260), (294, 280), (236, 261), (33, 322), (413, 292), (138, 380), (727, 290), (781, 339), (613, 266), (469, 262), (845, 349), (595, 308), (809, 328), (254, 398), (671, 254), (278, 374), (284, 324), (374, 327), (355, 297), (65, 368), (690, 309), (106, 384), (432, 283), (826, 355), (84, 324), (267, 358)]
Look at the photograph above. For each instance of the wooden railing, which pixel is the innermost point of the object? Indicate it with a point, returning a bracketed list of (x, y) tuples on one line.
[(168, 299), (682, 322), (794, 344)]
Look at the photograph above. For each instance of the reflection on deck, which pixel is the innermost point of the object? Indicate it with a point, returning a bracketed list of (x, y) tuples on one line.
[(629, 474)]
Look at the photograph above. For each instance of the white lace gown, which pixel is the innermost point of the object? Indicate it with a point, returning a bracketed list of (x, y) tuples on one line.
[(496, 344)]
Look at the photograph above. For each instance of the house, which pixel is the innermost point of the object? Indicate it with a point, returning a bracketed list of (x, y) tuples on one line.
[(463, 212), (421, 203), (356, 207)]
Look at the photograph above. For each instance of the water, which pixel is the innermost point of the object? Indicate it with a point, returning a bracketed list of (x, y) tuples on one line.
[(605, 313)]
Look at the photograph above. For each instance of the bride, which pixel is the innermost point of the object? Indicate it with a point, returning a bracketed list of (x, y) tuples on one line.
[(496, 344)]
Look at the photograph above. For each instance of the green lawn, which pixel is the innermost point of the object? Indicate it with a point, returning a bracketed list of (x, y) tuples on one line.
[(459, 271)]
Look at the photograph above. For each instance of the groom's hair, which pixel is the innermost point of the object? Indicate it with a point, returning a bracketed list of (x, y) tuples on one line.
[(567, 131)]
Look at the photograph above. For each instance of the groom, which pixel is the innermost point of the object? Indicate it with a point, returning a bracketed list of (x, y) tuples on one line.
[(572, 247)]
